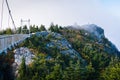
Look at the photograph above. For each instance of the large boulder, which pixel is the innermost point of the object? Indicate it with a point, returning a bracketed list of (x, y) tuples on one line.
[(23, 52)]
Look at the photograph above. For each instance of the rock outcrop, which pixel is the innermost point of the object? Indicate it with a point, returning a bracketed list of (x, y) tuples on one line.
[(97, 34), (23, 52), (19, 54), (58, 41)]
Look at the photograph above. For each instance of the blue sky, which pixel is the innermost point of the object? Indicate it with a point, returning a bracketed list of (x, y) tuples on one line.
[(104, 13)]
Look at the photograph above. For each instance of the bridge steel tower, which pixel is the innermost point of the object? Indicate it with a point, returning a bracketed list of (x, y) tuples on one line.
[(28, 25)]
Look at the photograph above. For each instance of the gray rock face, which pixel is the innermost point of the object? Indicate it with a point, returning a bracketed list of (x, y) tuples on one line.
[(19, 54), (62, 44), (57, 40), (97, 33), (94, 29), (111, 49), (42, 33), (23, 52)]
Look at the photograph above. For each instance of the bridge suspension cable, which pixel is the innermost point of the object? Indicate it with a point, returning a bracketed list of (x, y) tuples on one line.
[(10, 15), (2, 13)]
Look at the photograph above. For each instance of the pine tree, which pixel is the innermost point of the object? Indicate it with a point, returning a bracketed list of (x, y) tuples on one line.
[(36, 77), (77, 71), (22, 70), (51, 28), (56, 74), (42, 28), (111, 72)]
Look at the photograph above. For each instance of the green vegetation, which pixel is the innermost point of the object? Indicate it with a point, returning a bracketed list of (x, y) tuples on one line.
[(7, 31), (6, 66), (33, 29), (22, 70), (50, 64), (54, 28), (93, 52)]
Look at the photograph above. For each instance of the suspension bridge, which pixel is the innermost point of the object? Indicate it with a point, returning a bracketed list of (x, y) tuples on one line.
[(9, 41)]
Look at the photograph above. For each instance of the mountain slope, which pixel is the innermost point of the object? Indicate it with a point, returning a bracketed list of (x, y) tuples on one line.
[(96, 35), (69, 53)]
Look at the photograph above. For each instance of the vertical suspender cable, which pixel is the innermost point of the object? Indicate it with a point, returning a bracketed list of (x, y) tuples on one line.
[(10, 14), (8, 21), (2, 13)]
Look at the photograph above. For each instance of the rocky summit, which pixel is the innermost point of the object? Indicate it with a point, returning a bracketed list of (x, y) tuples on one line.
[(93, 29), (97, 35)]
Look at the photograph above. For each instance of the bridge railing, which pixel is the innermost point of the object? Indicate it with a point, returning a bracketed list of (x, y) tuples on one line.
[(6, 41)]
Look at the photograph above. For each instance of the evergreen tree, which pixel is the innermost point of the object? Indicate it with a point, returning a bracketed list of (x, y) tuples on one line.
[(9, 31), (36, 77), (56, 74), (54, 28), (25, 29), (77, 70), (69, 72), (22, 70), (89, 74), (51, 28), (112, 71), (19, 30), (42, 28)]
